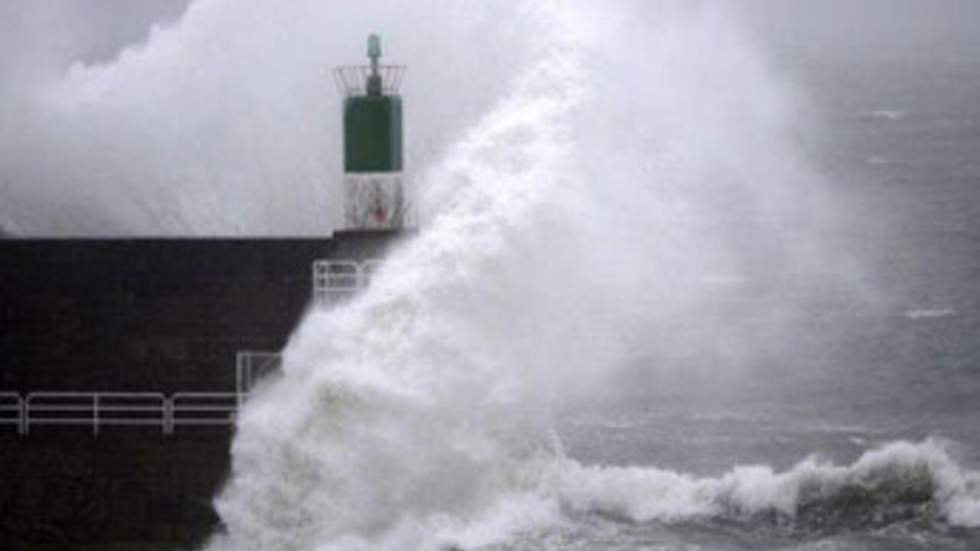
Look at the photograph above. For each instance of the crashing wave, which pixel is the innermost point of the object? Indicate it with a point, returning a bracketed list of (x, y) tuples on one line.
[(898, 482)]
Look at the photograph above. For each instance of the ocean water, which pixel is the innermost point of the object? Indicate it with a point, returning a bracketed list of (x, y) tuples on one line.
[(682, 283)]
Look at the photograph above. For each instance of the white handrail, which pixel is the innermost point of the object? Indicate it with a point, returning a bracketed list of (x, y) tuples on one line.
[(103, 409), (338, 279), (335, 276), (250, 366), (203, 408), (97, 409)]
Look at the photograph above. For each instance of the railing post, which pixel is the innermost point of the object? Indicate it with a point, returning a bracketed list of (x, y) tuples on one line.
[(27, 415), (22, 421), (242, 384), (95, 414), (249, 377), (168, 416)]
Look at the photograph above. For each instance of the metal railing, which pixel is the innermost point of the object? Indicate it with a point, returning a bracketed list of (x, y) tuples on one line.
[(336, 280), (351, 80), (203, 409), (250, 366), (95, 409), (100, 410)]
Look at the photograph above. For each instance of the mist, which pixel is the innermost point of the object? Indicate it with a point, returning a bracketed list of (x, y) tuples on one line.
[(226, 121), (160, 118)]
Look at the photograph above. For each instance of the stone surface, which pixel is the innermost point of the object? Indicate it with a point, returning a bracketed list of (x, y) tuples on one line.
[(147, 315)]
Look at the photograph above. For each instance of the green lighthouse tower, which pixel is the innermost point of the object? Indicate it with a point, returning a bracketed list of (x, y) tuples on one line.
[(375, 194)]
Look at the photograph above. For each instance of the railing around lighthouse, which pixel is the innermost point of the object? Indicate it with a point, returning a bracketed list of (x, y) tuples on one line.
[(352, 80), (337, 280)]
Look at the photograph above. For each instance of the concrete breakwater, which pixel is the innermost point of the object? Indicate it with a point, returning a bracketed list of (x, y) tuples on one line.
[(158, 316), (126, 489)]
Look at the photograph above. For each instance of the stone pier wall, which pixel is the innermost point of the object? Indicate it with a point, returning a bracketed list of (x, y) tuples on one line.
[(137, 315), (125, 489)]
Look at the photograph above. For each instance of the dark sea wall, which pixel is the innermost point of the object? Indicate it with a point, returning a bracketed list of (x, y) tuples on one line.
[(152, 314), (137, 315), (145, 315), (127, 489)]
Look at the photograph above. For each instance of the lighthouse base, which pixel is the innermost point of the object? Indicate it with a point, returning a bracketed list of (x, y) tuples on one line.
[(375, 201)]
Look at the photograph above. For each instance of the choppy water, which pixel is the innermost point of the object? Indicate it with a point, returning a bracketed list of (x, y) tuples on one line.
[(901, 141)]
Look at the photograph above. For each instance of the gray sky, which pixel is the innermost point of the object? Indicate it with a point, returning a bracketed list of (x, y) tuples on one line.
[(870, 28), (96, 29), (86, 29)]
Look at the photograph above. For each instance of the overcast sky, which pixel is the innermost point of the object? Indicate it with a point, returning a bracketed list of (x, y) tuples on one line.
[(42, 38), (97, 29)]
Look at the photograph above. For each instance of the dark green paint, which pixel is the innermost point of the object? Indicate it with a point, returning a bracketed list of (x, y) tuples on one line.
[(373, 134)]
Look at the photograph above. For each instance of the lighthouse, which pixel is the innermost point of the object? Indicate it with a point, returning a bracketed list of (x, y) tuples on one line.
[(375, 194), (378, 211)]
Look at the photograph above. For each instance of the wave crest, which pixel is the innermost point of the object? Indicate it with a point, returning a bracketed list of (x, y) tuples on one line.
[(898, 482)]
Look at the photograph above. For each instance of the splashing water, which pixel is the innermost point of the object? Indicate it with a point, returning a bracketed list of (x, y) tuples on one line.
[(426, 401), (899, 475)]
